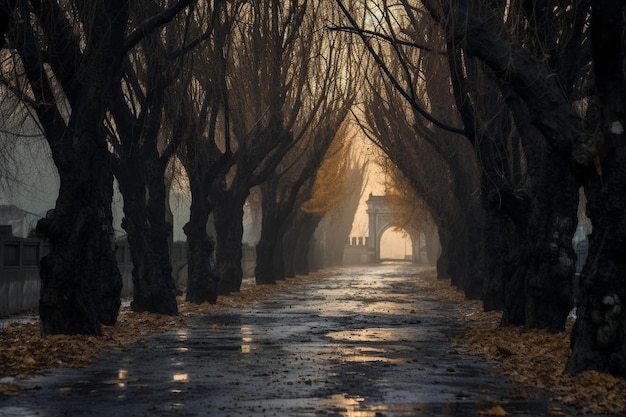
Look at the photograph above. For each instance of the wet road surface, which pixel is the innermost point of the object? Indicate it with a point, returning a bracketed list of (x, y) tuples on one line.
[(362, 343)]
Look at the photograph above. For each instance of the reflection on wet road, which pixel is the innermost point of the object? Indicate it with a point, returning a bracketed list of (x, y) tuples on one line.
[(362, 343)]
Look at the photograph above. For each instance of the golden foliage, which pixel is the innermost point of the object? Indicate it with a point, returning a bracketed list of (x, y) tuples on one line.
[(410, 211), (330, 186)]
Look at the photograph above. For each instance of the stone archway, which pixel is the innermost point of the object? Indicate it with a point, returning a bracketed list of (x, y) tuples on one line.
[(381, 217)]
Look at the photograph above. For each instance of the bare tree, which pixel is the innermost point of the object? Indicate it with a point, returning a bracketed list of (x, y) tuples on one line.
[(68, 88), (548, 299), (201, 117), (328, 95), (142, 150), (325, 219), (275, 47)]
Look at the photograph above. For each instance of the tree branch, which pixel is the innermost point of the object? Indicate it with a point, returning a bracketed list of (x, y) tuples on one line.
[(396, 84), (154, 23)]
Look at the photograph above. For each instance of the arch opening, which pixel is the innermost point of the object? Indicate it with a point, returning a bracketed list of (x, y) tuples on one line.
[(395, 245)]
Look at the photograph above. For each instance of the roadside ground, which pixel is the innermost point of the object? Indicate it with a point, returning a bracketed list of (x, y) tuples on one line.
[(531, 359)]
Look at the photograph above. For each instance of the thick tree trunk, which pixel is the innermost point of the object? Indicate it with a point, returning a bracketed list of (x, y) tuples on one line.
[(290, 241), (80, 281), (599, 335), (278, 258), (302, 265), (289, 251), (539, 294), (500, 243), (154, 289), (433, 246), (546, 265), (475, 282), (552, 259), (266, 270), (443, 260), (202, 276), (229, 233)]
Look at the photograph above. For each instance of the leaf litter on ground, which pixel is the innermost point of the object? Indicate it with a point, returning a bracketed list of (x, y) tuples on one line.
[(532, 359)]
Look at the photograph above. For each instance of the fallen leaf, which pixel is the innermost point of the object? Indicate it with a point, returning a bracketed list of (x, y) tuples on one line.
[(493, 411)]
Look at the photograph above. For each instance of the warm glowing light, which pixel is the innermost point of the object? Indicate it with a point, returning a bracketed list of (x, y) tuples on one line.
[(246, 339), (180, 377), (122, 375)]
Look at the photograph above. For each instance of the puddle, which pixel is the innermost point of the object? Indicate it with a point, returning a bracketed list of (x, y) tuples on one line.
[(361, 343)]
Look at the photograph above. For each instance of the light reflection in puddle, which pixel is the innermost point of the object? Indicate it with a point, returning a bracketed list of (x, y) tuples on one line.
[(246, 339), (375, 334), (355, 354), (348, 406), (180, 377), (182, 349), (122, 375)]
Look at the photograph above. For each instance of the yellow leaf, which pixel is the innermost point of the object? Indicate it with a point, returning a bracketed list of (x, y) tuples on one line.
[(493, 411), (29, 360)]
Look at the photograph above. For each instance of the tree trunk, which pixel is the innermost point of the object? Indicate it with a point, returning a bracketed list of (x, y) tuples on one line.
[(500, 242), (552, 259), (443, 260), (265, 270), (278, 258), (433, 246), (228, 215), (599, 335), (80, 281), (539, 294), (303, 247), (202, 276), (289, 247), (546, 265), (475, 282), (154, 289)]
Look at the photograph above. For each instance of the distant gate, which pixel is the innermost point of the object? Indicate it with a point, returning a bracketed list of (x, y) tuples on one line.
[(381, 218)]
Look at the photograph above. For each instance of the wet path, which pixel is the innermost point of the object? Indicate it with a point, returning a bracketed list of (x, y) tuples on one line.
[(362, 343)]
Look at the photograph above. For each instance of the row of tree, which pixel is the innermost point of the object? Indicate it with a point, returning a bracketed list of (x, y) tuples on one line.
[(239, 94), (499, 114)]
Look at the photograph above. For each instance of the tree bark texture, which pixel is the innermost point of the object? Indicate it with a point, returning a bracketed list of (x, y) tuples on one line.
[(269, 264), (289, 245), (266, 271), (228, 214), (501, 246), (81, 283), (599, 335), (301, 260), (546, 264), (148, 233), (202, 277)]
